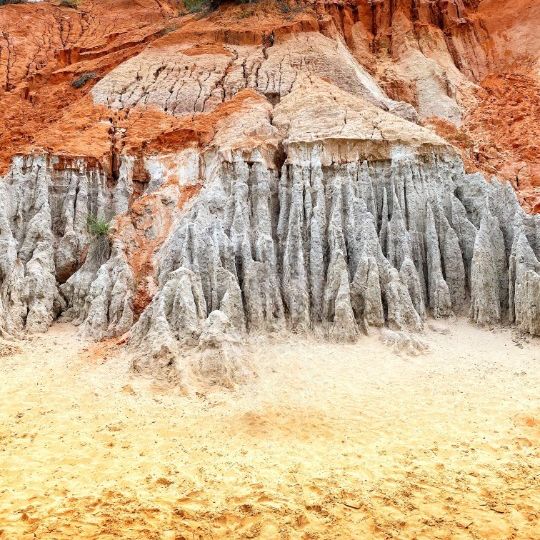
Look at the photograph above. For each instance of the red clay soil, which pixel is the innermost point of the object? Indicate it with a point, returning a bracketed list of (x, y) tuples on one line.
[(45, 48), (505, 130), (513, 27)]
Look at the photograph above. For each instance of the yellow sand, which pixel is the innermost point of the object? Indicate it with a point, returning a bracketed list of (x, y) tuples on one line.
[(330, 441)]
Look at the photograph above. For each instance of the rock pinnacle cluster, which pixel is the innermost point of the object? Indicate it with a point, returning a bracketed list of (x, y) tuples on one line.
[(190, 178)]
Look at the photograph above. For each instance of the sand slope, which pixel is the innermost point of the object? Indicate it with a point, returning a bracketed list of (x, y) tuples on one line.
[(330, 441)]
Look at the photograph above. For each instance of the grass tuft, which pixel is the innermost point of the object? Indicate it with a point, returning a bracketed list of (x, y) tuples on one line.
[(98, 227)]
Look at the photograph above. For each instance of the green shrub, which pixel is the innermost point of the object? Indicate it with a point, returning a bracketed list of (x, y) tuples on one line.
[(98, 227), (198, 6), (79, 82), (6, 2), (289, 7)]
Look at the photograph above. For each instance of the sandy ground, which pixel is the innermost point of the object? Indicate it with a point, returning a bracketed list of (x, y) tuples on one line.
[(330, 441)]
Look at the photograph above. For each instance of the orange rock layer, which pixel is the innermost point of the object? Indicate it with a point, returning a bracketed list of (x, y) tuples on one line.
[(488, 51)]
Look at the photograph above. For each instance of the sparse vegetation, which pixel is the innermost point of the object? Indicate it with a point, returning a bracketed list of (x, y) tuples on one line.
[(6, 2), (200, 6), (167, 30), (79, 82), (74, 4), (284, 6), (197, 6), (288, 8), (98, 227)]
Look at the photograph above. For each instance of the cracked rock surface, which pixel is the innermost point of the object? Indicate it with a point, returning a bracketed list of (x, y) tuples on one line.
[(181, 81)]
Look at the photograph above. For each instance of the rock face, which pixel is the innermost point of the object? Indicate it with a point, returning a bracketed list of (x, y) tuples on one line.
[(334, 235), (252, 180), (199, 82), (44, 211), (464, 66), (338, 248)]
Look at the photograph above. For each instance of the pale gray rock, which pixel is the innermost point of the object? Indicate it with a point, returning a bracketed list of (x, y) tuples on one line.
[(403, 342), (219, 359), (53, 266), (44, 211), (524, 286), (410, 278), (439, 294), (401, 313), (454, 267), (338, 309), (109, 309), (485, 280), (320, 244), (302, 249), (366, 295)]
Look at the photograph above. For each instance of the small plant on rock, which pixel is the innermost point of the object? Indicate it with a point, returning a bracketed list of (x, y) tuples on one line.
[(100, 246), (98, 227)]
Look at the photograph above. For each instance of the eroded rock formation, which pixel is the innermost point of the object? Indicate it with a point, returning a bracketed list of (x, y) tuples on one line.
[(259, 180), (331, 234)]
